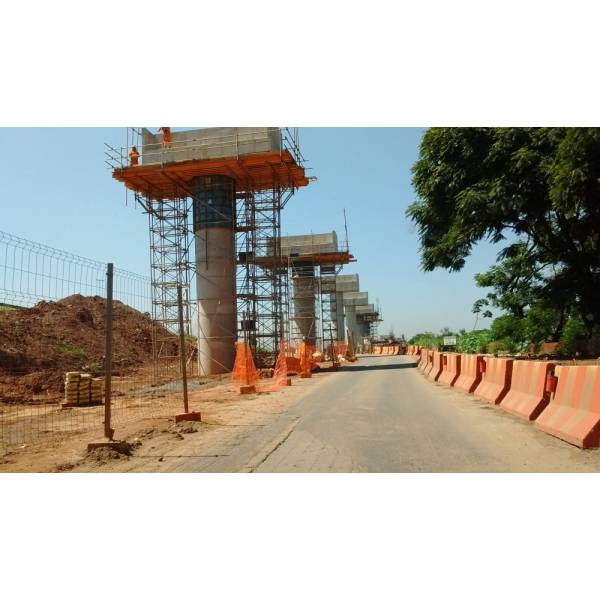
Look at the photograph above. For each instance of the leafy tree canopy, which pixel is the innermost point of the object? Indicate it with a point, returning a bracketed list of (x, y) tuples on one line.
[(541, 186)]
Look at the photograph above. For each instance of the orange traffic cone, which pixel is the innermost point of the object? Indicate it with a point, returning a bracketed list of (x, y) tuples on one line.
[(280, 373), (244, 372)]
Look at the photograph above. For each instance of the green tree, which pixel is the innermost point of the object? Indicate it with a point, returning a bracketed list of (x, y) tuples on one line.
[(540, 187)]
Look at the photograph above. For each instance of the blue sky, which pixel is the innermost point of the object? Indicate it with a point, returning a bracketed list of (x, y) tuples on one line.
[(56, 190)]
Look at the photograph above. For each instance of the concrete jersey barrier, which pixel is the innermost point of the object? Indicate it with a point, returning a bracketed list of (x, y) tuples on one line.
[(451, 370), (429, 364), (424, 359), (496, 379), (436, 365), (573, 414), (527, 396), (470, 372)]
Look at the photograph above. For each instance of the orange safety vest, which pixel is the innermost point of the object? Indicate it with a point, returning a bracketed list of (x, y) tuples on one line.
[(166, 133), (133, 156)]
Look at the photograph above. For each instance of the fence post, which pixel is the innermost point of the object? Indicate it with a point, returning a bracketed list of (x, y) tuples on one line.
[(182, 348), (108, 431)]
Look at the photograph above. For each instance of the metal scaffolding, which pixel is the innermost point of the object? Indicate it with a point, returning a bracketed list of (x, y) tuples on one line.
[(169, 227), (260, 277), (264, 183), (329, 309), (312, 299)]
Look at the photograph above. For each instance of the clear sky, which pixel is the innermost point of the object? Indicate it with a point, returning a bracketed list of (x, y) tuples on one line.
[(56, 190)]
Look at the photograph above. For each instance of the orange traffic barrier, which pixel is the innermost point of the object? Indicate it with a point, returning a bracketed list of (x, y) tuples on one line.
[(495, 382), (451, 370), (244, 372), (429, 365), (573, 414), (340, 349), (471, 366), (424, 360), (437, 365), (527, 396)]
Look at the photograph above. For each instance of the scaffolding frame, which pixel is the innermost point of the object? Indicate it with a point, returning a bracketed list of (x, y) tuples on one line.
[(323, 269), (170, 267), (329, 309), (260, 286)]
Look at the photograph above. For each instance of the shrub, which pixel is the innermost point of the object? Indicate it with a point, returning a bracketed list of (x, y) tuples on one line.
[(473, 341), (72, 351)]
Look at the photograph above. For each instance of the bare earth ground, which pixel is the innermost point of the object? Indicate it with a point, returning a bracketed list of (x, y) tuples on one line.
[(378, 415), (227, 419)]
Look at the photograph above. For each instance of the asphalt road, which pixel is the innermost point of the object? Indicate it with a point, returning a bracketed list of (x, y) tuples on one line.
[(383, 415), (378, 415)]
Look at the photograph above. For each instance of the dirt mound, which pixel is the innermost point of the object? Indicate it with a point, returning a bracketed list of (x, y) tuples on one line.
[(39, 344)]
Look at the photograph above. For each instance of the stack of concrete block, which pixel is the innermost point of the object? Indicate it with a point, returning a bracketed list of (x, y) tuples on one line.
[(72, 387), (97, 390), (85, 388)]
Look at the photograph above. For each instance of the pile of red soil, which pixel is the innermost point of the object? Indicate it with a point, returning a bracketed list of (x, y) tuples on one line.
[(38, 345)]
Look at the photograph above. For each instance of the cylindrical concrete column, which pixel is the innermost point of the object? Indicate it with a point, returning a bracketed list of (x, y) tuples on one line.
[(214, 216), (303, 277), (351, 323), (341, 322)]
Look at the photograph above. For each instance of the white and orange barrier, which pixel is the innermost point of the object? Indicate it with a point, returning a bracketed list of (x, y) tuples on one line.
[(573, 414), (436, 365), (527, 396), (471, 369), (496, 379), (451, 370), (424, 361), (429, 362)]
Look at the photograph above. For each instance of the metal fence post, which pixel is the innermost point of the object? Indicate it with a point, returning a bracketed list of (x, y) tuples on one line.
[(108, 431), (182, 348)]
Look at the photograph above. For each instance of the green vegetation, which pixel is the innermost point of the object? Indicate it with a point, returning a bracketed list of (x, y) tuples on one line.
[(467, 342), (72, 351), (427, 339), (94, 368), (473, 341), (536, 192)]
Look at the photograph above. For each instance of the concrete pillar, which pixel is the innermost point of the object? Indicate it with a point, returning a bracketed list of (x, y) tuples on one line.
[(214, 212), (303, 277), (352, 324), (341, 321)]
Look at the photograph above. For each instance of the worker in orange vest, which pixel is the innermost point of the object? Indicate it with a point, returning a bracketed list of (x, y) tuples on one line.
[(166, 131), (134, 156)]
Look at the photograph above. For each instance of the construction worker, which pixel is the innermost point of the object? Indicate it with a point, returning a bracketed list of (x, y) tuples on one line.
[(166, 131), (134, 156)]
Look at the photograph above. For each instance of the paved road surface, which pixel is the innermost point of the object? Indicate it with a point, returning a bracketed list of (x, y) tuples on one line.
[(383, 415)]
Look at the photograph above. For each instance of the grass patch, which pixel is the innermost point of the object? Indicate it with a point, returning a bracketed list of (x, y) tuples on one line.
[(72, 351)]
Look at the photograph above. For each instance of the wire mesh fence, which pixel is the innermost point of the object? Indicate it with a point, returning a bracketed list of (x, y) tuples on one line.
[(52, 347)]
